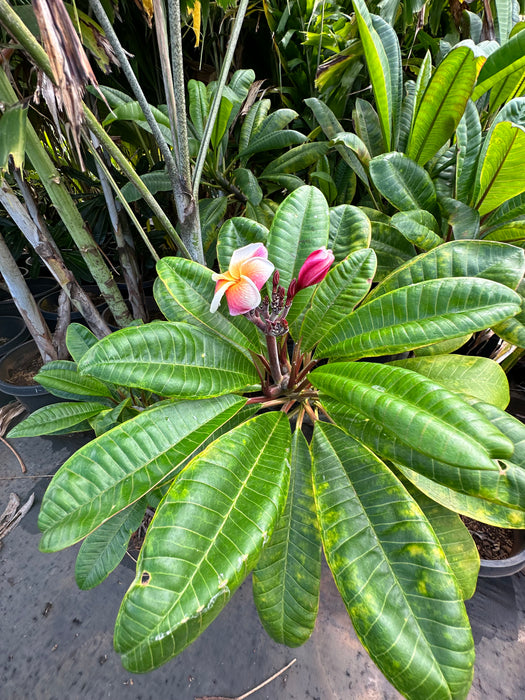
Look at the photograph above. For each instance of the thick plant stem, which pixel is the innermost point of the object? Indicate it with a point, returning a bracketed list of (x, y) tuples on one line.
[(35, 231), (273, 357), (184, 202), (132, 176), (25, 303), (68, 212), (214, 110)]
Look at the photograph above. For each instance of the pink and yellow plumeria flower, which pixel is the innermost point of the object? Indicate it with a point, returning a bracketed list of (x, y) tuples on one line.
[(248, 271)]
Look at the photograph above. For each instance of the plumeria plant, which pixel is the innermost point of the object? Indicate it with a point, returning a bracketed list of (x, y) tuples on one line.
[(289, 407)]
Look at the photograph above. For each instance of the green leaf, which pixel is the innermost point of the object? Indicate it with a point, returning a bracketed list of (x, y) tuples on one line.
[(512, 233), (287, 578), (468, 140), (194, 557), (378, 68), (247, 182), (116, 469), (501, 176), (105, 420), (367, 127), (236, 233), (391, 247), (443, 104), (198, 106), (325, 117), (463, 219), (13, 137), (184, 291), (103, 550), (132, 111), (393, 576), (467, 374), (513, 329), (221, 122), (350, 230), (340, 291), (62, 378), (393, 396), (56, 418), (170, 359), (275, 140), (352, 142), (418, 315), (508, 59), (252, 122), (155, 181), (300, 226), (493, 261), (419, 227), (443, 347), (298, 158), (496, 497), (403, 183), (454, 538), (78, 340)]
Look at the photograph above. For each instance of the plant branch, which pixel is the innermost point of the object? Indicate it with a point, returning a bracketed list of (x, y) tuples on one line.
[(214, 110)]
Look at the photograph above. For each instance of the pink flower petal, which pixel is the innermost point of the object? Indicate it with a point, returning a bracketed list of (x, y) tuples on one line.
[(220, 288), (243, 296), (258, 270), (252, 250)]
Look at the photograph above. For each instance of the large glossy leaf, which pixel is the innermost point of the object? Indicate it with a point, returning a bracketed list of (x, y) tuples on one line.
[(512, 233), (463, 220), (103, 550), (378, 68), (287, 577), (300, 226), (419, 227), (221, 122), (78, 340), (513, 329), (184, 292), (132, 111), (56, 418), (199, 106), (405, 184), (367, 126), (236, 233), (508, 59), (393, 576), (475, 376), (205, 538), (502, 175), (272, 141), (493, 261), (61, 378), (459, 547), (496, 497), (468, 140), (340, 291), (350, 230), (170, 359), (427, 417), (418, 315), (443, 104), (296, 159), (252, 122), (116, 469), (391, 247)]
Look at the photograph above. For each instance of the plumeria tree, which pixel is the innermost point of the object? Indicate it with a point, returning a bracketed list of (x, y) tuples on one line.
[(275, 414)]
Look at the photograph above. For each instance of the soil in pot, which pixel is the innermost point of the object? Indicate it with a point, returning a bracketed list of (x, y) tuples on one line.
[(17, 371), (492, 543)]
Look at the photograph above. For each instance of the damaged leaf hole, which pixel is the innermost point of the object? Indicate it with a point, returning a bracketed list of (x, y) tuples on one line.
[(145, 578)]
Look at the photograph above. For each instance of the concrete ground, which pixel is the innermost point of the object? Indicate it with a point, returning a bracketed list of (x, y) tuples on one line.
[(56, 641)]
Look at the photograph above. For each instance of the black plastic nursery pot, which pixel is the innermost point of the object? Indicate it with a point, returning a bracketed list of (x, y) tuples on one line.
[(39, 287), (32, 396), (13, 332), (48, 305), (496, 568)]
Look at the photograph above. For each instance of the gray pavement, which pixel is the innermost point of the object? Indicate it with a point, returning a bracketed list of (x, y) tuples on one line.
[(56, 641)]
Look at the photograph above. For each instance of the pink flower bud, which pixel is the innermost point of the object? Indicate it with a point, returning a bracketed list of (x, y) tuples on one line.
[(315, 268)]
